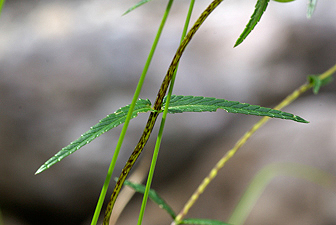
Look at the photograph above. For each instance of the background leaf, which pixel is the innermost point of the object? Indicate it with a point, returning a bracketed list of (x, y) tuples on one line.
[(267, 174), (106, 124), (317, 82), (179, 104), (136, 6), (258, 12), (153, 196), (311, 7)]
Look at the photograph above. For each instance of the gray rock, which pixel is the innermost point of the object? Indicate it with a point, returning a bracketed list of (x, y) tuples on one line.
[(66, 65)]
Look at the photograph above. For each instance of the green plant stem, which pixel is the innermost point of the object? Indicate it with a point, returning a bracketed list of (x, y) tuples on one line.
[(128, 118), (219, 165), (157, 107), (2, 2), (268, 173), (163, 120)]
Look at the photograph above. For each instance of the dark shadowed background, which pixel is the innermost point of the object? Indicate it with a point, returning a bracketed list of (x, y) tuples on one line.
[(64, 65)]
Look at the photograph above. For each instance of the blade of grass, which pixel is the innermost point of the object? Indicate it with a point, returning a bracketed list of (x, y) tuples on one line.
[(2, 2), (129, 117), (142, 2), (157, 106), (268, 173), (213, 173), (311, 8), (163, 120)]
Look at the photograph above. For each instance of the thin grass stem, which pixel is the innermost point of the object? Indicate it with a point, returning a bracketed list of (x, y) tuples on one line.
[(157, 107), (128, 118), (2, 2), (163, 120)]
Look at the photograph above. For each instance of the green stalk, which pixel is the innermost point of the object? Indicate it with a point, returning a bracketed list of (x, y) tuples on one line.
[(163, 120), (2, 2), (128, 118), (157, 107)]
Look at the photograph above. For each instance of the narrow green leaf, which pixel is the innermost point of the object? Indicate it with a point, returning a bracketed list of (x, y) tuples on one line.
[(104, 125), (311, 7), (136, 6), (180, 104), (203, 222), (258, 12), (152, 195)]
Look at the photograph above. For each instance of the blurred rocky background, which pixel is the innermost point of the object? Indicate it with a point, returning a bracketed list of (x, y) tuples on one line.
[(64, 65)]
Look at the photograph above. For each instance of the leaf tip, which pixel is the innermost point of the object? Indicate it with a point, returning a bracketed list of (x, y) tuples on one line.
[(40, 170), (239, 41), (300, 119), (311, 8), (126, 12)]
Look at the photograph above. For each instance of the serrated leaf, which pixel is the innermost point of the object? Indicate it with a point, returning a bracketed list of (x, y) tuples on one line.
[(136, 6), (153, 196), (203, 222), (260, 8), (179, 104), (311, 8), (317, 82), (104, 125)]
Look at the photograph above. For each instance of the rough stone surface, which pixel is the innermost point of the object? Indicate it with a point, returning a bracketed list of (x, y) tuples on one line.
[(66, 64)]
